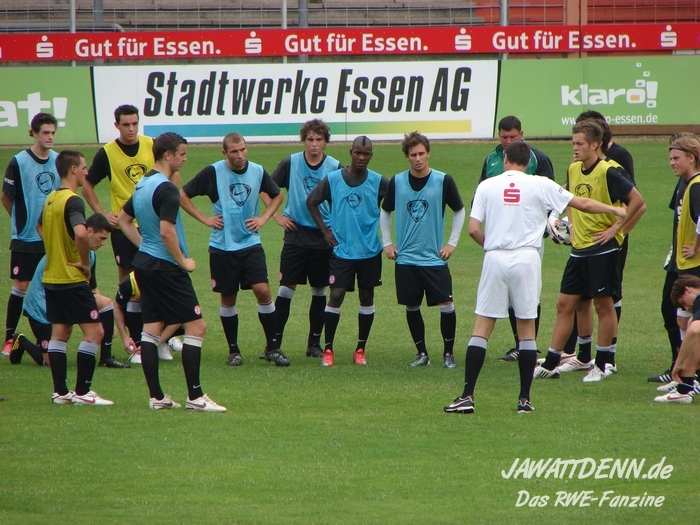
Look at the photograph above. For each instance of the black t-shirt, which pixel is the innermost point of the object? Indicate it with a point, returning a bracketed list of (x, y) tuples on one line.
[(100, 168), (450, 193), (623, 158), (204, 183)]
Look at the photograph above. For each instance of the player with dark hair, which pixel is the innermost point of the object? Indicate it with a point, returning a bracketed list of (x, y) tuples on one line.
[(29, 178), (510, 130), (236, 256), (354, 195), (66, 281), (98, 230), (123, 162), (418, 197), (512, 268), (592, 269), (685, 295), (161, 268), (305, 253)]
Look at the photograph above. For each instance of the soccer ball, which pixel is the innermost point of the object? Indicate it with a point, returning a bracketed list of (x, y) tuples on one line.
[(175, 344), (561, 231)]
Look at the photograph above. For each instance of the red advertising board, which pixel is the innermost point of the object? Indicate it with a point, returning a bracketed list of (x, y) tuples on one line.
[(348, 41)]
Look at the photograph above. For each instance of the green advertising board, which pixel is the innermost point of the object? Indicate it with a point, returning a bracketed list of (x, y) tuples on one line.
[(65, 92), (548, 95)]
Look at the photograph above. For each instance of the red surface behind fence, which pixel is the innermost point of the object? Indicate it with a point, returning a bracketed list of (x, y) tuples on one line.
[(348, 41)]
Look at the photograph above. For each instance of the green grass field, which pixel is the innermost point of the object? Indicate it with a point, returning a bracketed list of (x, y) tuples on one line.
[(357, 445)]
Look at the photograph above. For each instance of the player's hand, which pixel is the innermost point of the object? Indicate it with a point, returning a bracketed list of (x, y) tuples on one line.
[(446, 252), (676, 374), (254, 224), (330, 238), (112, 218), (85, 268), (552, 225), (620, 211), (390, 251), (189, 265), (606, 235), (688, 251), (129, 345), (287, 224), (217, 221)]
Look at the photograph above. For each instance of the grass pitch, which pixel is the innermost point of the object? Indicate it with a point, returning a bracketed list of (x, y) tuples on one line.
[(351, 444)]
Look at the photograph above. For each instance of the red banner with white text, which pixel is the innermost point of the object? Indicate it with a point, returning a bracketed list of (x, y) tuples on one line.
[(348, 41)]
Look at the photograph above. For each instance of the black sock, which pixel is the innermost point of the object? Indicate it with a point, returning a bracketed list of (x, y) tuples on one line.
[(364, 325), (14, 312), (191, 360), (318, 305), (268, 323), (448, 329), (59, 369), (570, 345), (230, 325), (527, 360), (149, 363), (282, 305), (618, 313), (417, 328), (513, 325), (584, 349), (86, 368), (551, 360), (34, 351), (686, 387), (537, 319), (601, 357), (613, 348), (107, 320), (330, 321), (474, 362), (134, 323)]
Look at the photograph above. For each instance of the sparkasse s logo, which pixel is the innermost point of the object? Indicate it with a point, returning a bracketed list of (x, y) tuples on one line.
[(644, 91), (511, 195)]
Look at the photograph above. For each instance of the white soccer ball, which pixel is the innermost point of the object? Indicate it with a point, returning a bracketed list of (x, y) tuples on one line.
[(175, 344), (562, 235)]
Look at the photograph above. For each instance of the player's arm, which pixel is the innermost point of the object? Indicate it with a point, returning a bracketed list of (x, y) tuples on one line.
[(475, 231), (7, 203), (269, 188), (321, 193), (125, 221), (9, 185), (281, 177), (202, 184), (453, 199), (99, 169), (592, 206), (82, 245), (622, 189), (688, 346), (388, 205), (166, 204), (124, 293)]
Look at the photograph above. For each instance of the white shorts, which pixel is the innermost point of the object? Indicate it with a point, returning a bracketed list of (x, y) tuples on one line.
[(510, 277)]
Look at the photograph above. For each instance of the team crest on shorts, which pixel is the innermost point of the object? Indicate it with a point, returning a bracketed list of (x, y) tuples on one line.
[(213, 283), (331, 279), (197, 310), (15, 270), (94, 315)]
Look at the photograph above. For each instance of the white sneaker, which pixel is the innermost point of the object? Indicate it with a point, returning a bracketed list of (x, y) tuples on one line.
[(675, 397), (610, 369), (58, 399), (91, 398), (543, 373), (595, 375), (175, 344), (204, 404), (574, 364), (162, 404), (135, 358), (668, 387), (164, 352)]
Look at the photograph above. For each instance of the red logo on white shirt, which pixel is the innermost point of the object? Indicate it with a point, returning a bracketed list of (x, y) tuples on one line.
[(511, 195)]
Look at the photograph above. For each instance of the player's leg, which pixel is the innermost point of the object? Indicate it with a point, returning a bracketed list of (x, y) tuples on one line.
[(60, 334), (106, 311), (318, 272), (583, 322), (409, 292), (369, 276), (22, 268), (668, 312)]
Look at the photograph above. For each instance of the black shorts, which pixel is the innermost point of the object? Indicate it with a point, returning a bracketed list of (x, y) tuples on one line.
[(124, 250), (297, 264), (242, 268), (71, 306), (41, 331), (342, 272), (167, 297), (23, 265), (413, 281), (592, 276)]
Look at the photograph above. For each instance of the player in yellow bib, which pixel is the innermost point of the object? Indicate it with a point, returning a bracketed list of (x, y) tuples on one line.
[(123, 161)]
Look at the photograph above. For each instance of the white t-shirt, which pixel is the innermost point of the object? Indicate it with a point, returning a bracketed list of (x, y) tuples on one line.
[(514, 207)]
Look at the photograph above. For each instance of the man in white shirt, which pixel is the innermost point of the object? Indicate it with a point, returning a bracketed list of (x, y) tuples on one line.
[(513, 208)]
